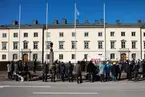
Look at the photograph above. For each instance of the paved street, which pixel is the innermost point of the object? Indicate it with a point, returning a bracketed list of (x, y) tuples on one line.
[(66, 89)]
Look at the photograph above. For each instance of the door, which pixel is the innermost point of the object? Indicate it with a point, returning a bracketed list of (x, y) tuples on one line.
[(25, 57), (123, 56)]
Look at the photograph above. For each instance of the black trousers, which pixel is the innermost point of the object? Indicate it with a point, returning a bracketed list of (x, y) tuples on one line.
[(53, 77), (91, 76), (62, 77), (9, 75), (107, 76), (79, 78), (102, 77), (70, 77), (44, 78)]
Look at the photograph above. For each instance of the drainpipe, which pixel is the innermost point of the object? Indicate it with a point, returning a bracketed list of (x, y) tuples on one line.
[(43, 45), (141, 42)]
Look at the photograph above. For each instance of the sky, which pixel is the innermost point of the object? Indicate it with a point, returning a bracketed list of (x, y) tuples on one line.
[(127, 11)]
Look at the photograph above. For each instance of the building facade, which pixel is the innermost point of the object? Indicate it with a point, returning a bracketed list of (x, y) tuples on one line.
[(87, 41)]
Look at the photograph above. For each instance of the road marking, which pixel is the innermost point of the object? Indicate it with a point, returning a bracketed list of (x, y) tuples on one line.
[(65, 93), (8, 86)]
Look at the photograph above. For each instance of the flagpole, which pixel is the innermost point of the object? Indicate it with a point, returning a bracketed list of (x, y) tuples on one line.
[(104, 28), (75, 29), (19, 28), (47, 27)]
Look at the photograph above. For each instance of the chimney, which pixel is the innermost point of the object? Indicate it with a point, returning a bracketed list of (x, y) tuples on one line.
[(14, 22), (102, 21), (35, 22), (64, 21), (96, 22), (117, 21), (139, 21), (55, 22), (86, 22), (77, 21)]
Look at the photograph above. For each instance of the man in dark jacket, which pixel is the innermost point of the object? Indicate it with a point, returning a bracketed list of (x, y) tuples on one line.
[(91, 70), (70, 71), (135, 69), (45, 72), (62, 71), (53, 72), (78, 71)]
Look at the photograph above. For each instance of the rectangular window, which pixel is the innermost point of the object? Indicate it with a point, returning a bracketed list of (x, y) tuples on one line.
[(73, 56), (144, 44), (35, 34), (48, 44), (35, 56), (99, 33), (61, 44), (47, 56), (122, 33), (132, 33), (15, 35), (60, 34), (85, 56), (112, 44), (3, 57), (4, 35), (4, 45), (73, 34), (112, 56), (122, 44), (100, 44), (47, 34), (112, 33), (86, 34), (73, 44), (15, 45), (25, 34), (144, 34), (86, 44), (133, 44), (25, 45), (60, 56), (35, 45), (15, 56)]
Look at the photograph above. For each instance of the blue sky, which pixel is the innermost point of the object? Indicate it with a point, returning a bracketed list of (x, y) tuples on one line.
[(125, 10)]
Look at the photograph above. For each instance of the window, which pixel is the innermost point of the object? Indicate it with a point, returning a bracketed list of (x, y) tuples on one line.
[(85, 56), (60, 34), (35, 34), (112, 44), (15, 45), (73, 56), (122, 33), (133, 56), (100, 44), (60, 56), (112, 56), (3, 56), (48, 44), (86, 34), (35, 45), (73, 34), (4, 35), (122, 44), (144, 34), (112, 33), (25, 34), (61, 43), (15, 35), (133, 34), (133, 44), (144, 44), (35, 56), (47, 34), (73, 43), (15, 56), (86, 44), (4, 45), (47, 56), (99, 33), (25, 45)]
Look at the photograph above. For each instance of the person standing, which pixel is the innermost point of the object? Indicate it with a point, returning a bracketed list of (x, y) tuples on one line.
[(91, 71), (101, 71), (107, 70), (45, 72), (53, 72), (135, 69), (78, 71), (70, 71), (9, 70), (62, 71), (113, 71), (35, 66)]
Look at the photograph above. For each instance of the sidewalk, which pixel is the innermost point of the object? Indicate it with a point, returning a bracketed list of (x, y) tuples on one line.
[(3, 76)]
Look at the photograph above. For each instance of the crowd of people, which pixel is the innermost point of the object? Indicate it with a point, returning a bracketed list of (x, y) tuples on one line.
[(91, 71)]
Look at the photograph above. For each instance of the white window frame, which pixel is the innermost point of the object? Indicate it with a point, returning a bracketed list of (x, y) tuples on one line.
[(15, 35), (4, 45), (100, 44), (86, 34), (112, 56), (99, 34), (86, 44), (35, 44), (61, 34), (15, 45), (61, 44), (60, 56)]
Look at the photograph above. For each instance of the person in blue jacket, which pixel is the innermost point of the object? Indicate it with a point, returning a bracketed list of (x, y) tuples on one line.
[(107, 70)]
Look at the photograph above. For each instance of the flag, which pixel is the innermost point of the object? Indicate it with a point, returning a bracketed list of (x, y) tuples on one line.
[(77, 12)]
